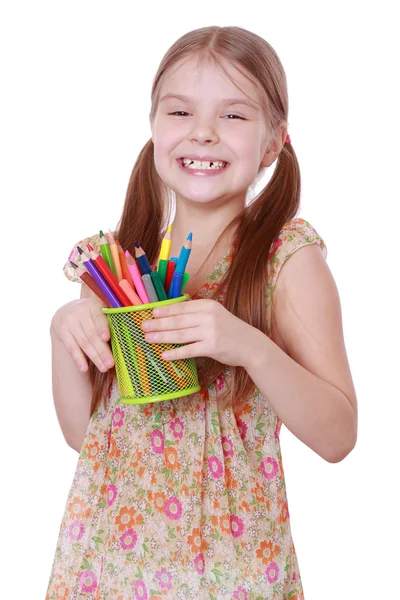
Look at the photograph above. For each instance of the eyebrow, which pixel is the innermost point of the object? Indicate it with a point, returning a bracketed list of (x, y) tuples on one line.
[(225, 101)]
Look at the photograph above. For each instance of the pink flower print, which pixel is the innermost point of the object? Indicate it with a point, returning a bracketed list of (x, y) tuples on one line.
[(173, 508), (237, 526), (220, 381), (294, 576), (177, 427), (276, 244), (128, 539), (76, 530), (157, 441), (242, 428), (215, 466), (164, 578), (111, 494), (240, 594), (199, 563), (88, 581), (118, 417), (140, 590), (227, 446), (276, 432), (269, 467), (272, 572)]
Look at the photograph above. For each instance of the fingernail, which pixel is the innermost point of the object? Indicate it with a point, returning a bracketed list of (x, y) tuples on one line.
[(82, 367), (104, 337), (109, 363)]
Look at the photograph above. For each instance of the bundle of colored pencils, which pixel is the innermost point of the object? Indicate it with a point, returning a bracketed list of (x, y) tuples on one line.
[(120, 280)]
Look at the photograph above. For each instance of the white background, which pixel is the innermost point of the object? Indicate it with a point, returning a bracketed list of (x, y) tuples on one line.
[(76, 79)]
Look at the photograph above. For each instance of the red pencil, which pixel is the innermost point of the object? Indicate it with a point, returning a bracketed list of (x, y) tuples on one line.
[(168, 277), (108, 275), (90, 282)]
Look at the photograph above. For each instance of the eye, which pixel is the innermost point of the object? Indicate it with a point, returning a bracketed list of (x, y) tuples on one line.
[(236, 117), (178, 112)]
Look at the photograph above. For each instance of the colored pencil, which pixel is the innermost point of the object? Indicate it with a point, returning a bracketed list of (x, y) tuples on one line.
[(158, 286), (114, 252), (142, 260), (170, 272), (181, 264), (148, 284), (106, 252), (166, 245), (124, 267), (137, 279), (176, 286), (130, 292), (108, 275), (184, 281), (90, 265), (90, 282)]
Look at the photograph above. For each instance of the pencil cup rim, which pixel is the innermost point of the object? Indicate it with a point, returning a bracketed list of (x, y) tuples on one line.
[(139, 307)]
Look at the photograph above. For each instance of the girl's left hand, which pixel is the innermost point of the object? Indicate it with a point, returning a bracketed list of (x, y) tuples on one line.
[(206, 327)]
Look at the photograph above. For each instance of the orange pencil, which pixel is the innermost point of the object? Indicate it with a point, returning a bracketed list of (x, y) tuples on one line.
[(124, 267), (115, 254), (130, 292)]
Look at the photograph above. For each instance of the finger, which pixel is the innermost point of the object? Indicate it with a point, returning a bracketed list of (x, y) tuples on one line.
[(88, 339), (101, 323), (73, 348), (187, 351), (179, 308), (178, 336), (181, 321)]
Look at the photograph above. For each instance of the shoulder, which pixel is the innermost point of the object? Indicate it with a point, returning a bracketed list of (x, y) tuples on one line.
[(74, 256), (294, 235)]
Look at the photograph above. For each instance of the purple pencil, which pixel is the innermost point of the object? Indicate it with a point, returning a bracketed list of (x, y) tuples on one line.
[(103, 285)]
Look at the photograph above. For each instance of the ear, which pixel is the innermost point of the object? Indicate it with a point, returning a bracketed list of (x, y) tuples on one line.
[(274, 147)]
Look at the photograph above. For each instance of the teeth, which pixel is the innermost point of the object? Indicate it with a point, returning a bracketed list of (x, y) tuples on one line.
[(199, 164)]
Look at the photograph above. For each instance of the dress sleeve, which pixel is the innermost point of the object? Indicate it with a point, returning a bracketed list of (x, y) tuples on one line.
[(74, 255), (294, 235)]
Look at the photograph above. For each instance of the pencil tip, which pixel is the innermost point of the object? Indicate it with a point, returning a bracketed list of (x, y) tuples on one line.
[(169, 228), (101, 233), (90, 247), (73, 264), (137, 245), (79, 249), (189, 237)]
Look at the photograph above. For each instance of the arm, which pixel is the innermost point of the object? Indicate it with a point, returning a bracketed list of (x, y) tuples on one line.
[(311, 387), (72, 388)]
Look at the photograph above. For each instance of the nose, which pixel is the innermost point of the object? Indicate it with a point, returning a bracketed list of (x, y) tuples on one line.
[(204, 132)]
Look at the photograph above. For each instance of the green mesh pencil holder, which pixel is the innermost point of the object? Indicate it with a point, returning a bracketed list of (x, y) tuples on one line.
[(142, 374)]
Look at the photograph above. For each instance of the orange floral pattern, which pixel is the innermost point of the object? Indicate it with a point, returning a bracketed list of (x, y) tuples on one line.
[(180, 499)]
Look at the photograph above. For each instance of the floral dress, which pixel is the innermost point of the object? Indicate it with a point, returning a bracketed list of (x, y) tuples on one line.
[(181, 499)]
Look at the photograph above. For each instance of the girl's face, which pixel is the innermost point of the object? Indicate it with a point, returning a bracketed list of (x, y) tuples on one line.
[(207, 123)]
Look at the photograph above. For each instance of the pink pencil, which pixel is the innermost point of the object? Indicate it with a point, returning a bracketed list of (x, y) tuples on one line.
[(137, 278)]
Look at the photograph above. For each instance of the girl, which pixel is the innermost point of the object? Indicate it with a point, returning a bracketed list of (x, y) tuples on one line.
[(186, 498)]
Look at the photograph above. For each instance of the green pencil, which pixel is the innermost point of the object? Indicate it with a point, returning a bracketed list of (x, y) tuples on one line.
[(158, 285), (106, 252)]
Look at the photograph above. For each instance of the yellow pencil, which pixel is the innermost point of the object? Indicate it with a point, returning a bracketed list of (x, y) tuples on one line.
[(166, 245), (114, 253)]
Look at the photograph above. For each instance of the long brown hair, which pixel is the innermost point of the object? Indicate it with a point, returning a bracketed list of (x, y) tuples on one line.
[(147, 212)]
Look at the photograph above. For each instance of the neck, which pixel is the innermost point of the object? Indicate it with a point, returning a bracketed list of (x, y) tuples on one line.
[(205, 222)]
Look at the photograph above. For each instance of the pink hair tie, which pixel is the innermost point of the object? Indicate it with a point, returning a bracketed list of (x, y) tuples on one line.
[(288, 140)]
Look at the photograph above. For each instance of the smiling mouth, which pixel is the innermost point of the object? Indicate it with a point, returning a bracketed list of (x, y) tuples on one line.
[(203, 165)]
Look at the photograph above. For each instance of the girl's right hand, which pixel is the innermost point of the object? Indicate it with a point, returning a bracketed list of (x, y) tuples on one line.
[(83, 329)]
